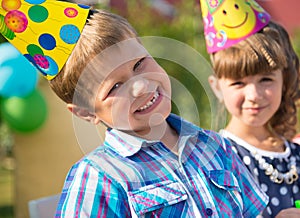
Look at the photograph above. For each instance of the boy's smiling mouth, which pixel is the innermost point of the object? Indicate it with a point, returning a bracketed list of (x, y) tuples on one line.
[(149, 103)]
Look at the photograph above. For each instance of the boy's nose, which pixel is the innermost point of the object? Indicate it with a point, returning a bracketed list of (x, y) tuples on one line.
[(139, 87)]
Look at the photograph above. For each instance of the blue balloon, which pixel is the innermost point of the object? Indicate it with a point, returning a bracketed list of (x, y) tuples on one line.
[(7, 51), (18, 77)]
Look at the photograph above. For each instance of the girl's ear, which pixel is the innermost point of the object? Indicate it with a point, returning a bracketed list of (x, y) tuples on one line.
[(84, 114), (214, 84)]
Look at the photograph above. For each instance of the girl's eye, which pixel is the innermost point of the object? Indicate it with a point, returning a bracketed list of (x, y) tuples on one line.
[(136, 66), (266, 79), (116, 86)]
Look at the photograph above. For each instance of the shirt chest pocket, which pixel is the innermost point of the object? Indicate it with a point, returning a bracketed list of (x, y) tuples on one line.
[(228, 187), (157, 196)]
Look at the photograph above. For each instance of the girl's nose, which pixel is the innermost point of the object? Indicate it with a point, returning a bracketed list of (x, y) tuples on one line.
[(253, 92), (139, 87)]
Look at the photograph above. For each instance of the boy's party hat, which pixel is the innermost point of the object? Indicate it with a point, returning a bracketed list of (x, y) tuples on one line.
[(227, 22), (44, 31)]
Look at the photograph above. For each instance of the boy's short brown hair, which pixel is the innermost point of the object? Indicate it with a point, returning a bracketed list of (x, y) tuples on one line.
[(102, 30)]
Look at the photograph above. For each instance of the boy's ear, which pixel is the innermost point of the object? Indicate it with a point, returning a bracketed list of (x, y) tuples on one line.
[(83, 113), (214, 84)]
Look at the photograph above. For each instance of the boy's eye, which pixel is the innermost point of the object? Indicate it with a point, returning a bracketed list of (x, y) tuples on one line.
[(236, 83), (136, 66), (117, 85)]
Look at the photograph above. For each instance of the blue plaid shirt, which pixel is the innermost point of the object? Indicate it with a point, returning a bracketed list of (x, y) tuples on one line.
[(132, 177)]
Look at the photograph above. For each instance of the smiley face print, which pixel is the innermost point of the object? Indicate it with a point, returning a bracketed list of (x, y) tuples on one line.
[(227, 22), (235, 18)]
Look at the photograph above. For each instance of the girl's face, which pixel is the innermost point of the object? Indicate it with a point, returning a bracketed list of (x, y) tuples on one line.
[(252, 100)]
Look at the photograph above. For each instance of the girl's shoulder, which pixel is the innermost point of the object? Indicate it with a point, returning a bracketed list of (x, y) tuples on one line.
[(294, 146)]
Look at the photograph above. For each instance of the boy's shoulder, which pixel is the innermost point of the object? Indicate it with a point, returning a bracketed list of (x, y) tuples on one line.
[(102, 162), (93, 158)]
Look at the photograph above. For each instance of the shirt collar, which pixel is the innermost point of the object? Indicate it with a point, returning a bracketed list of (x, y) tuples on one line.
[(127, 145)]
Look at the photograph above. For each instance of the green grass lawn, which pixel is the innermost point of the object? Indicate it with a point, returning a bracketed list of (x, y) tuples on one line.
[(6, 191)]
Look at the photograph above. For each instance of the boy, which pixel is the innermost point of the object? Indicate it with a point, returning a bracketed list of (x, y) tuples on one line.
[(152, 163)]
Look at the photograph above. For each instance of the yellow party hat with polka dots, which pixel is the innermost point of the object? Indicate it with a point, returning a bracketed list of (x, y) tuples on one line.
[(44, 31), (227, 22)]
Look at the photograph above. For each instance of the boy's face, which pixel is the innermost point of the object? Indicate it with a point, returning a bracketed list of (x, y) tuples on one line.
[(136, 94)]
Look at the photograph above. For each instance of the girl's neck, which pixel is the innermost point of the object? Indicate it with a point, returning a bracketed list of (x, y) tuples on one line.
[(260, 137)]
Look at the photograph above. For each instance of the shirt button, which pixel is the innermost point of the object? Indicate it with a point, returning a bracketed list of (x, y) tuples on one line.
[(209, 211)]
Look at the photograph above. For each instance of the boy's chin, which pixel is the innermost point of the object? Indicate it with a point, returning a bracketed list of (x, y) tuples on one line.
[(156, 119)]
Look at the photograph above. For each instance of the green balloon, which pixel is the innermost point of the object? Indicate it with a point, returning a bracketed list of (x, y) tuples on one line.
[(24, 114)]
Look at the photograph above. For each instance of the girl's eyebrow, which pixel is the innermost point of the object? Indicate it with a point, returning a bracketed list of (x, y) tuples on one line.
[(270, 73)]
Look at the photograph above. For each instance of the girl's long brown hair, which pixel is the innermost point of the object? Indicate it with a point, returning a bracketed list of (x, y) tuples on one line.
[(268, 50)]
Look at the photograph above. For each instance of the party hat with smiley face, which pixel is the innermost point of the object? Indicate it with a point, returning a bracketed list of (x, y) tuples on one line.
[(44, 31), (226, 22)]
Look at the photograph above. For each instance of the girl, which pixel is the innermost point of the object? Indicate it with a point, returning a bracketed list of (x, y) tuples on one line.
[(257, 79)]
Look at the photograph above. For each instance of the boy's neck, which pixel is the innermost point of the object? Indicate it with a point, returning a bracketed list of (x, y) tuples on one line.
[(164, 133), (170, 139)]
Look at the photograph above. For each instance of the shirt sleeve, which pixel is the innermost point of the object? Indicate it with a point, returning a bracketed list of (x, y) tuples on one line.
[(254, 199), (90, 193)]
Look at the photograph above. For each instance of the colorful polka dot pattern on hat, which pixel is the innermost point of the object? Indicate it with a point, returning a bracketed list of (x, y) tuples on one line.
[(44, 31)]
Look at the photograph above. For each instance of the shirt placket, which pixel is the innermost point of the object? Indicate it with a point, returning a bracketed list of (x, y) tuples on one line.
[(207, 199)]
